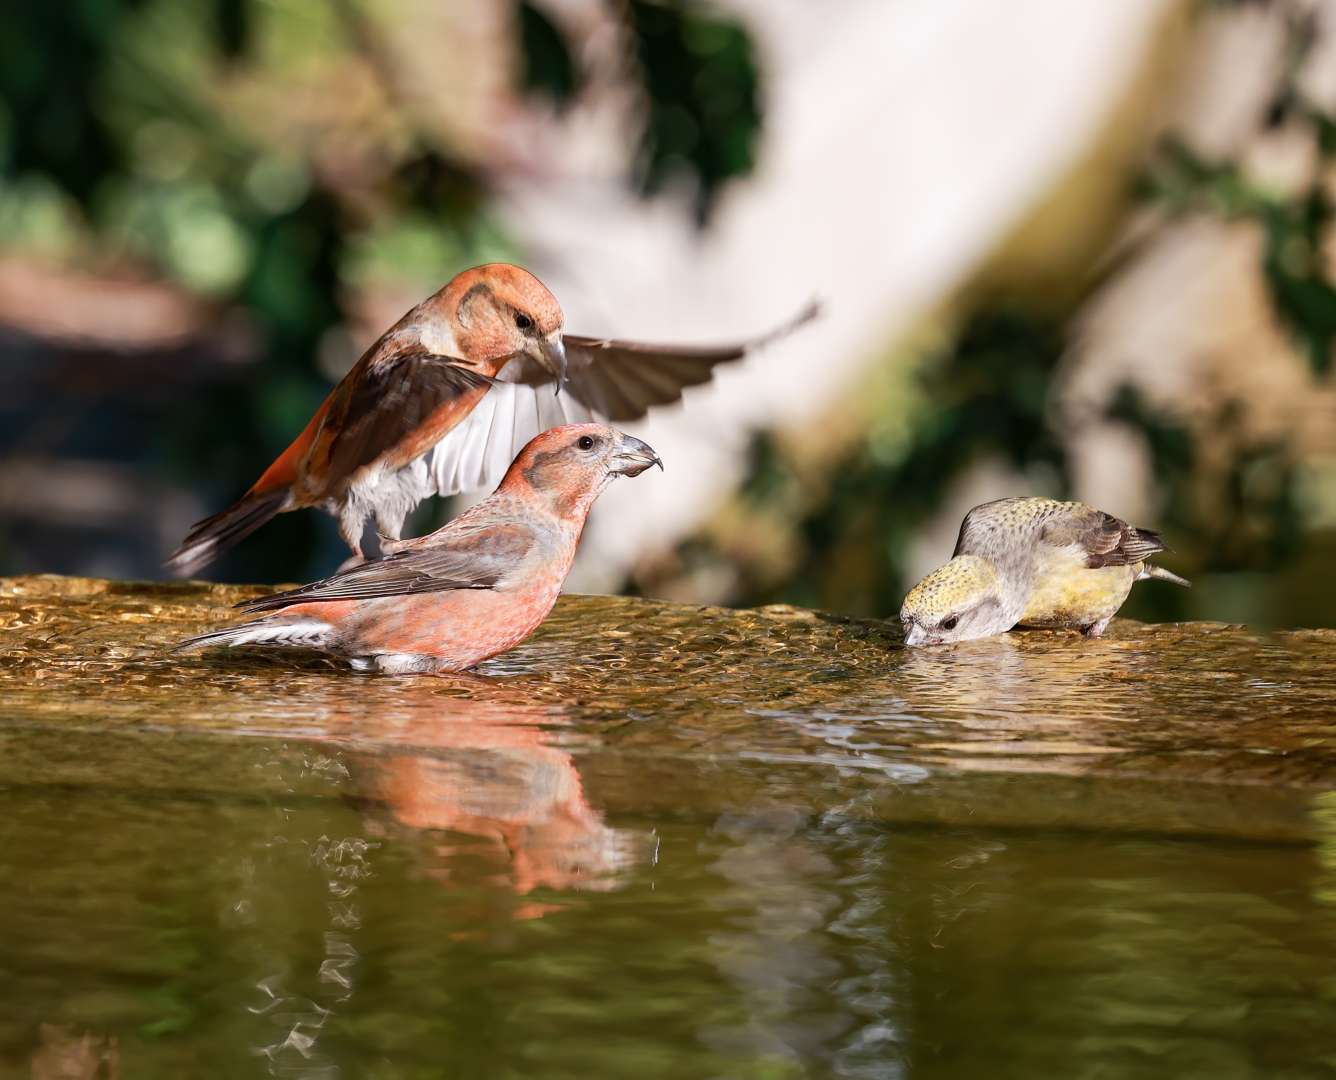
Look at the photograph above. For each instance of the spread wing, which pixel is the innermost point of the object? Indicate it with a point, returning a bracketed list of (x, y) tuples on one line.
[(620, 380), (463, 555), (392, 407), (1104, 539), (475, 454), (606, 380)]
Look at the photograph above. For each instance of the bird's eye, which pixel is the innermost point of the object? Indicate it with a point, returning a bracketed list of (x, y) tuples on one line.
[(523, 322), (949, 623), (585, 442)]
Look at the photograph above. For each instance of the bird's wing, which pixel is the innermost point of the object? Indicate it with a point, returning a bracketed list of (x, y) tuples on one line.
[(983, 523), (468, 556), (606, 380), (965, 539), (1103, 539), (475, 454), (620, 380), (391, 409)]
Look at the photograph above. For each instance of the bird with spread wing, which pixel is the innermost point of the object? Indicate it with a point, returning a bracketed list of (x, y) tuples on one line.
[(443, 401)]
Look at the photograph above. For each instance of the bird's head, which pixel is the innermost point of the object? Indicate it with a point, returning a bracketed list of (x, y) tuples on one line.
[(956, 602), (489, 314), (569, 466)]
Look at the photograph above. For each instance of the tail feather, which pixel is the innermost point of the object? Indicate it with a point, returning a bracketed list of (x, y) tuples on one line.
[(294, 633), (1138, 544), (209, 538), (203, 641), (1149, 571)]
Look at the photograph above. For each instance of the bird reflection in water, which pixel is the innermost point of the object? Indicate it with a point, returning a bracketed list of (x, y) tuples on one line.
[(489, 768), (466, 773), (68, 1054), (1050, 698)]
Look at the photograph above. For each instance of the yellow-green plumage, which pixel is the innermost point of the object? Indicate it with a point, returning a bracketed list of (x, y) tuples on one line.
[(951, 585), (1031, 562), (1072, 594)]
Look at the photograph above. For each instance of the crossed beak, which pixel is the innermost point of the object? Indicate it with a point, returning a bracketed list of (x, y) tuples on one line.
[(551, 353), (915, 634), (633, 457)]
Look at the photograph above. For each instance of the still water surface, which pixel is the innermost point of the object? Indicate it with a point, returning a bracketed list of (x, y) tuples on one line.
[(660, 841)]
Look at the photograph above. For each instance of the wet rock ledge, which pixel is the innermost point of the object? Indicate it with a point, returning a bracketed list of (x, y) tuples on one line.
[(1195, 727)]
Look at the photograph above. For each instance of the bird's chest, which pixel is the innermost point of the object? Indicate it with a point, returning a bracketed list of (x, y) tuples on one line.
[(386, 494), (1074, 595)]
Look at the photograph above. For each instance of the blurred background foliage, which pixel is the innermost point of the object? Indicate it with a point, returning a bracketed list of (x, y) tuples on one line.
[(204, 205), (1248, 512), (273, 166)]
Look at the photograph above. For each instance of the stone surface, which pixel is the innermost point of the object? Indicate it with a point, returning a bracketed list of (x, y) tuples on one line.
[(670, 691)]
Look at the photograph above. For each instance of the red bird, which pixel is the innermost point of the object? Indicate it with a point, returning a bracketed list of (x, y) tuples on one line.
[(476, 587), (445, 399)]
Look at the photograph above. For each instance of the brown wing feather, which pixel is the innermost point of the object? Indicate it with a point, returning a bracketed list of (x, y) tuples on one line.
[(1140, 544), (1109, 541), (620, 380), (474, 557), (393, 407)]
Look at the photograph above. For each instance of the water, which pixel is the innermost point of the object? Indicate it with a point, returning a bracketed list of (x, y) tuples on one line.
[(660, 841)]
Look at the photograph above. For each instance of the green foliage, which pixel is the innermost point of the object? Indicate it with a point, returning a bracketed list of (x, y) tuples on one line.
[(985, 397), (1294, 228), (1248, 517), (52, 124), (1236, 507), (702, 85), (548, 67), (1295, 224), (701, 82)]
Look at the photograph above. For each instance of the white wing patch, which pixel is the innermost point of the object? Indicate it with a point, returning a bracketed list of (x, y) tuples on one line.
[(475, 454)]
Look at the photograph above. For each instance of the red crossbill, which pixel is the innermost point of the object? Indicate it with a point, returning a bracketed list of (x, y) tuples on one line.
[(1031, 562), (474, 588), (445, 399)]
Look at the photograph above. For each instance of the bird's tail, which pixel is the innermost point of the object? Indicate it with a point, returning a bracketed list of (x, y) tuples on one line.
[(1139, 544), (301, 633), (1148, 571), (209, 538)]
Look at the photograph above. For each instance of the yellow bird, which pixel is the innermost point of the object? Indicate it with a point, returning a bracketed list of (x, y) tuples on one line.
[(1031, 562)]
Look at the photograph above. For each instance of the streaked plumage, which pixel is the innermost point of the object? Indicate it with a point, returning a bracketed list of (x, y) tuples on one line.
[(474, 588), (444, 401), (1031, 562)]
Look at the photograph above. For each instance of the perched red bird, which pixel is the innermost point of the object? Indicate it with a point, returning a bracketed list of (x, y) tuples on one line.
[(476, 587), (446, 398)]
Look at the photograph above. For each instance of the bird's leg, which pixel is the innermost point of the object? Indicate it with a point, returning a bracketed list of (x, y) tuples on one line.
[(1097, 629), (390, 523), (383, 539), (350, 529)]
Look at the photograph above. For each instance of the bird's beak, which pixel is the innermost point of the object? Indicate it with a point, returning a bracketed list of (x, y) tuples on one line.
[(915, 634), (551, 353), (633, 457)]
